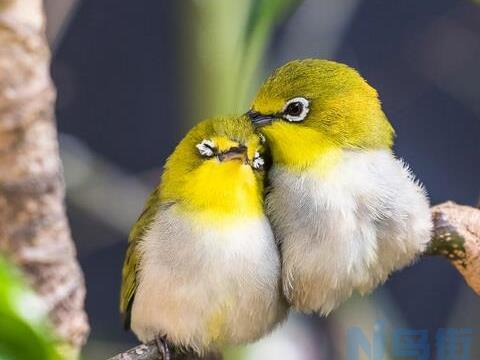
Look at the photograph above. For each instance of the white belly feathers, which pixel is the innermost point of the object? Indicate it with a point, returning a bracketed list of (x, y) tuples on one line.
[(346, 230), (204, 285)]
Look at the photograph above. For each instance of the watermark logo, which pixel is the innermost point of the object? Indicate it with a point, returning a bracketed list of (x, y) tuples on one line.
[(449, 343)]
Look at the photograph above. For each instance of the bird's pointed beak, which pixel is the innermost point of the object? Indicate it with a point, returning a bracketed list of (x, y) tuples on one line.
[(258, 119), (234, 153)]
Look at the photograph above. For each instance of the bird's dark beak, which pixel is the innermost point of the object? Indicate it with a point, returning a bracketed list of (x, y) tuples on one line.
[(234, 153), (258, 119)]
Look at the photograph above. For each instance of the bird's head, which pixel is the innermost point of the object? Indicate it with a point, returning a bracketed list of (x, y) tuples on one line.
[(218, 166), (227, 144), (309, 106)]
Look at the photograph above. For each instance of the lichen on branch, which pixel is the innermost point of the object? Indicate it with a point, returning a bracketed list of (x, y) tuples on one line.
[(456, 236)]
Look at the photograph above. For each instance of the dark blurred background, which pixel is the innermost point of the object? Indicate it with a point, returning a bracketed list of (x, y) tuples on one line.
[(123, 72)]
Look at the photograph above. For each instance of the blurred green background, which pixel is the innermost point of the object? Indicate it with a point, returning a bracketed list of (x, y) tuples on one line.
[(132, 77), (24, 332)]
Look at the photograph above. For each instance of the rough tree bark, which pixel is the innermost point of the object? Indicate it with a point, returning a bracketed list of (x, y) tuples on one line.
[(34, 230), (456, 236)]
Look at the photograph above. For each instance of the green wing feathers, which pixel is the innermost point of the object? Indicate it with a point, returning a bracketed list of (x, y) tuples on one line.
[(132, 258)]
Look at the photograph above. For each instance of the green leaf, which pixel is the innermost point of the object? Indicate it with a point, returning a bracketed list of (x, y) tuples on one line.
[(24, 332)]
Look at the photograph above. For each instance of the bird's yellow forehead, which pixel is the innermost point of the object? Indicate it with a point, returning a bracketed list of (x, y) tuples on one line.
[(223, 143), (266, 104)]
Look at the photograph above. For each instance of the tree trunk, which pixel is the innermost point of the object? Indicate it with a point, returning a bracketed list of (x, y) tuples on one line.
[(34, 230)]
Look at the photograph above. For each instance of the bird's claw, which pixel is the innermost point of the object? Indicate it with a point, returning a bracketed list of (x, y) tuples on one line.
[(162, 346)]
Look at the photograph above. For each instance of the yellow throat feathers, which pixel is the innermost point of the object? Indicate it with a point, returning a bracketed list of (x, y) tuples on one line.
[(212, 190), (223, 190)]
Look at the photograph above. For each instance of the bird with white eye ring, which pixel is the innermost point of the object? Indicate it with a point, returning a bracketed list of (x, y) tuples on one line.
[(345, 211), (202, 269)]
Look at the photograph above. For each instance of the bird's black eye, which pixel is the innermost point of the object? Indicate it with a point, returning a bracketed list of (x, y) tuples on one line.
[(294, 109)]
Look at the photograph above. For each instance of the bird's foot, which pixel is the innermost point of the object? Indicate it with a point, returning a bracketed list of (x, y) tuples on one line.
[(162, 346)]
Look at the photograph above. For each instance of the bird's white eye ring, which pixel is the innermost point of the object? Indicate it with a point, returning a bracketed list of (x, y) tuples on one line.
[(206, 148), (258, 161), (296, 109)]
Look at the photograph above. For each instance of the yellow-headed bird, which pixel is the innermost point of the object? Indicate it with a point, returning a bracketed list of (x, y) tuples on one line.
[(202, 268), (345, 211)]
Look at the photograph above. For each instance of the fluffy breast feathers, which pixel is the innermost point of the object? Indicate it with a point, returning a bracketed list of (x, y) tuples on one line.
[(205, 286), (346, 230)]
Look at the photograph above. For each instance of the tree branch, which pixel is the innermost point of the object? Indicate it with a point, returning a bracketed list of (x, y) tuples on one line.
[(150, 352), (141, 352), (456, 236)]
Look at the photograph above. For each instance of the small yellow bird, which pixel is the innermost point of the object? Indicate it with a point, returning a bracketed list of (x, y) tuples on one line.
[(345, 211), (202, 268)]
